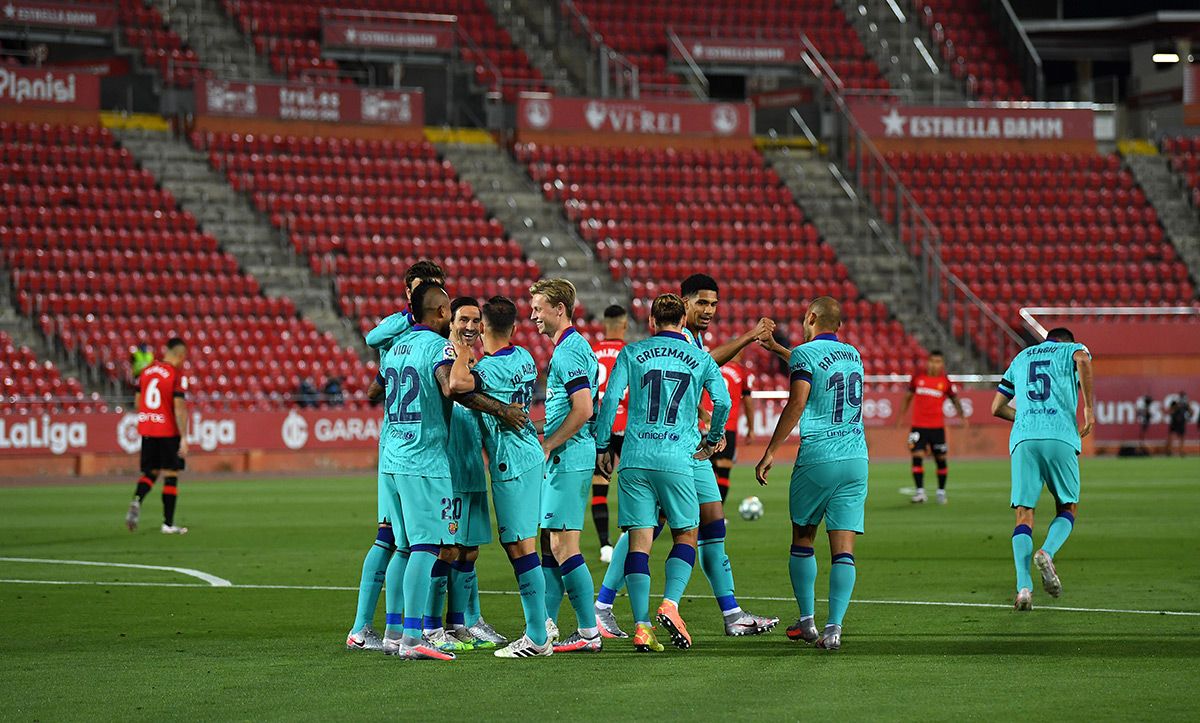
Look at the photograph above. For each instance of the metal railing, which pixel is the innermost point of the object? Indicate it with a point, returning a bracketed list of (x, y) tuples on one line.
[(695, 76), (1021, 47), (942, 294), (609, 73)]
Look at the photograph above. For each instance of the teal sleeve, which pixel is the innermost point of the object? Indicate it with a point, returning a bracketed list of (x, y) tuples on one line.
[(384, 335), (1006, 386), (575, 371), (718, 392), (799, 367), (617, 383)]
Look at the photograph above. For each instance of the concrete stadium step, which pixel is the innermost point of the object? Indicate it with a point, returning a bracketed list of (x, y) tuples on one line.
[(849, 226), (24, 332), (218, 42), (1168, 192), (515, 17), (506, 190), (889, 41), (261, 250)]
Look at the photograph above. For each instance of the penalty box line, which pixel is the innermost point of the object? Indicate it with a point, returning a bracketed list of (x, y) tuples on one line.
[(342, 588)]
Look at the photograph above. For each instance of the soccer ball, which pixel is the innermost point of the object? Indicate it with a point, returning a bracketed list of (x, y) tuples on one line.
[(751, 509)]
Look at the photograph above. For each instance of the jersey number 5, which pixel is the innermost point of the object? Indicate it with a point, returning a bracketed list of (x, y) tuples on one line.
[(395, 379), (846, 390), (1039, 381)]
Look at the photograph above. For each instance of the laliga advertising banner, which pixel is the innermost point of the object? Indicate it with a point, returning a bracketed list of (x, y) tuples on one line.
[(387, 36), (300, 102), (311, 430), (740, 52), (991, 127), (76, 16), (49, 88), (640, 117)]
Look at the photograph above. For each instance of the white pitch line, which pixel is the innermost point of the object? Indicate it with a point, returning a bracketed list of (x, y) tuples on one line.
[(212, 580), (342, 588)]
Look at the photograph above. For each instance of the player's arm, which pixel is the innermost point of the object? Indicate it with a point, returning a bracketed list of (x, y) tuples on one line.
[(718, 392), (958, 406), (1083, 369), (376, 390), (908, 397), (1005, 391), (775, 348), (788, 419), (386, 332), (618, 381), (762, 330), (181, 421), (461, 379), (581, 411), (748, 409), (511, 414)]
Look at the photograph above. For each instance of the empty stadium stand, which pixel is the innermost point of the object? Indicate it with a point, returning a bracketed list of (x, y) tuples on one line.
[(161, 48), (1184, 155), (968, 41), (362, 211), (103, 260), (638, 28), (28, 384), (657, 216), (290, 34)]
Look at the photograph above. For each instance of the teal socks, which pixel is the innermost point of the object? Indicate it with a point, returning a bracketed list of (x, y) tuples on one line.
[(374, 571), (418, 584), (715, 564), (581, 591), (637, 579), (439, 583), (614, 576), (842, 574), (680, 563), (1022, 544), (553, 585), (463, 582), (1060, 530), (802, 568), (394, 591), (532, 585)]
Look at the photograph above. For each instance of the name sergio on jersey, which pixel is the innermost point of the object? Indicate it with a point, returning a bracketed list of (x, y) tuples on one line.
[(683, 355), (836, 356)]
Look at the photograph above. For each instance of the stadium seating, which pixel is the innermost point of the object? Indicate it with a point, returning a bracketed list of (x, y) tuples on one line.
[(1184, 155), (161, 47), (657, 216), (28, 385), (289, 34), (1044, 229), (363, 211), (104, 260), (638, 28), (968, 41)]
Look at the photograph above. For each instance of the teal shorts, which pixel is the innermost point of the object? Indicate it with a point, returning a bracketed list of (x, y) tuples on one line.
[(421, 510), (832, 491), (564, 497), (1049, 461), (517, 505), (473, 519), (705, 480), (641, 493)]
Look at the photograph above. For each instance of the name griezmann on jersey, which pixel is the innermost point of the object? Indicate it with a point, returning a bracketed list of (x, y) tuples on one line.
[(673, 352)]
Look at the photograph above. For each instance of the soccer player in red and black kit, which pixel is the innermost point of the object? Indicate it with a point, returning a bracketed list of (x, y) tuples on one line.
[(162, 422), (740, 384), (930, 389), (616, 322)]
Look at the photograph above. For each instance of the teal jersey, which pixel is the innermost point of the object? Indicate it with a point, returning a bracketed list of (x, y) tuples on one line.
[(1043, 387), (465, 450), (389, 330), (573, 366), (694, 339), (416, 415), (508, 376), (665, 376), (831, 428)]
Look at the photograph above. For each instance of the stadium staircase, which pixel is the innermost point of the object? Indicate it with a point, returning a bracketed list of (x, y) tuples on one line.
[(876, 264), (518, 18), (215, 37), (1168, 191), (538, 224), (18, 331), (241, 231), (896, 43)]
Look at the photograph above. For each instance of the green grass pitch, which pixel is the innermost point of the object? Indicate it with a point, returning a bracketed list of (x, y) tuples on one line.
[(156, 651)]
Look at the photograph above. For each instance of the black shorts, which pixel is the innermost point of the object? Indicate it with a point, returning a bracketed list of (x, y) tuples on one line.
[(932, 437), (1179, 429), (730, 450), (160, 453), (615, 443)]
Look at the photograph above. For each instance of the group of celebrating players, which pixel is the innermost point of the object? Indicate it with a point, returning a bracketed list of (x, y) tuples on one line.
[(657, 411)]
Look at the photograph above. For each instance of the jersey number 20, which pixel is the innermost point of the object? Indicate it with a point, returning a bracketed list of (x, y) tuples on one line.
[(395, 379)]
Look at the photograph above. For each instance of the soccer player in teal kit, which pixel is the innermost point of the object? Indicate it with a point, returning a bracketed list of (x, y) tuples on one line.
[(829, 479), (1044, 383), (665, 376), (570, 453)]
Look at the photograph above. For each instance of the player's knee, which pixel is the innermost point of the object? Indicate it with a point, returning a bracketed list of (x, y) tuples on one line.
[(1024, 516), (689, 536), (1067, 508), (803, 535), (468, 554), (448, 553), (711, 512)]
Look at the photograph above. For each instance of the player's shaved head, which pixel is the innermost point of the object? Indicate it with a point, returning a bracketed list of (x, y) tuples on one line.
[(1062, 334), (824, 316), (429, 302)]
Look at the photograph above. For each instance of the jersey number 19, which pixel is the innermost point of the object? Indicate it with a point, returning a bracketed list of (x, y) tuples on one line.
[(846, 390)]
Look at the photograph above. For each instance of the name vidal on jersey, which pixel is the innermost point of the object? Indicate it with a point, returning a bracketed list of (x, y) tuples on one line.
[(838, 355), (683, 355)]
